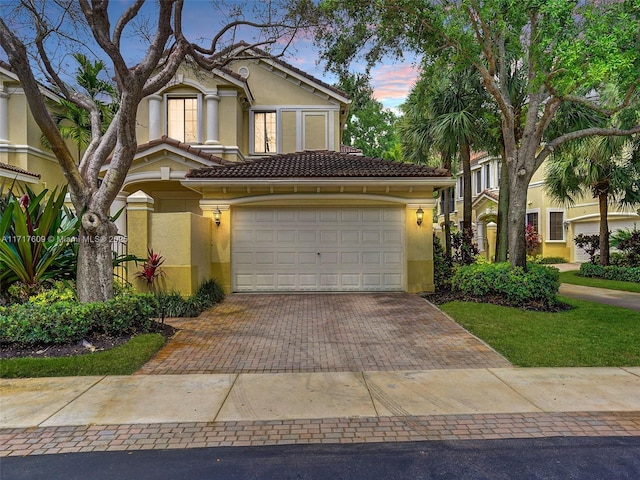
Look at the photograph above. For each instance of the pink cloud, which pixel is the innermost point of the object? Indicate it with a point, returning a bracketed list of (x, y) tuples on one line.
[(392, 83)]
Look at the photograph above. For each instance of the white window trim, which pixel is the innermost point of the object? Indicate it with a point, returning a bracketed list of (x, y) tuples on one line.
[(548, 225), (252, 123), (534, 210), (196, 95)]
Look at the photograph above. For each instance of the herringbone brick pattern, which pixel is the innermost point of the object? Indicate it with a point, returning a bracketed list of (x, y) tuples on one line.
[(320, 333)]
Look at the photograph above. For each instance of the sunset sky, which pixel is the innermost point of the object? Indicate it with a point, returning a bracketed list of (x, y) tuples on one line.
[(391, 80), (202, 19)]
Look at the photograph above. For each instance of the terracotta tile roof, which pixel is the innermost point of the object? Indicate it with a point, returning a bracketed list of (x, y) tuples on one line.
[(262, 53), (11, 168), (350, 149), (164, 140), (317, 164)]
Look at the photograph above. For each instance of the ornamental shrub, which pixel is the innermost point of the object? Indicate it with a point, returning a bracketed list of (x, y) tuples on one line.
[(68, 321), (173, 304), (610, 272), (500, 283)]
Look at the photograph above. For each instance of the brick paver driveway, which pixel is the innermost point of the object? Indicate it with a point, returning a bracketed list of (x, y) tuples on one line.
[(320, 333)]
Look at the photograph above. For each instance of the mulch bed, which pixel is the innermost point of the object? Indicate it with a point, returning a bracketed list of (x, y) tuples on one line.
[(444, 296), (91, 344)]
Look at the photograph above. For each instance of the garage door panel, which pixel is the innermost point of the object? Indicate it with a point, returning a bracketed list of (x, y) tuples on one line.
[(350, 237), (264, 258), (350, 258), (328, 258), (325, 249), (265, 236), (371, 237), (372, 280), (328, 237), (308, 258), (307, 236), (265, 216)]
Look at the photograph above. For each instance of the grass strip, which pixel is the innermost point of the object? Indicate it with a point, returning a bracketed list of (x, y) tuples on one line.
[(589, 335), (122, 360), (573, 278)]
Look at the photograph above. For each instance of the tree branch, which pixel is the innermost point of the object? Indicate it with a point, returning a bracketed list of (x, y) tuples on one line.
[(19, 61)]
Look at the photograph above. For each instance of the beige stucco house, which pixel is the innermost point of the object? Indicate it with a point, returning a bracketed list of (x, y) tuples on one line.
[(240, 176), (556, 224)]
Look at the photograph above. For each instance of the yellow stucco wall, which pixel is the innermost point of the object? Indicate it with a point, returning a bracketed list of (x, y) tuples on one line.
[(419, 250)]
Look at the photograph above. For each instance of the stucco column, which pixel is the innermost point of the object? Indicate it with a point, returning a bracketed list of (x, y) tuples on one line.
[(155, 117), (492, 235), (118, 204), (4, 117), (139, 210), (213, 119)]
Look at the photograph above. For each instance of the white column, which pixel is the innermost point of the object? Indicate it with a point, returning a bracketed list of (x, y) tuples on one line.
[(155, 117), (119, 203), (213, 119), (4, 117)]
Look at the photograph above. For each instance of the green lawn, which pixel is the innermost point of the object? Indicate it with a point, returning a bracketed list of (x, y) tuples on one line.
[(590, 335), (122, 360), (573, 278)]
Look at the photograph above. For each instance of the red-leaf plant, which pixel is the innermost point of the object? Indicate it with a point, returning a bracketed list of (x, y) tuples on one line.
[(151, 269)]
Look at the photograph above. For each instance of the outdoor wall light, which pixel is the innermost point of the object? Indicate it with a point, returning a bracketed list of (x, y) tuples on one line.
[(216, 216), (419, 216)]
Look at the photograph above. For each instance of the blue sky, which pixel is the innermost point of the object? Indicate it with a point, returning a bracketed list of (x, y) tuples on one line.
[(391, 80)]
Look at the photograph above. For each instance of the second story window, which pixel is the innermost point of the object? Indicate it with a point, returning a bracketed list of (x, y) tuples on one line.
[(182, 119), (264, 137)]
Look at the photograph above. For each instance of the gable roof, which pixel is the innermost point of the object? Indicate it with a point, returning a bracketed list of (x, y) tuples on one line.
[(175, 145), (255, 52), (316, 164)]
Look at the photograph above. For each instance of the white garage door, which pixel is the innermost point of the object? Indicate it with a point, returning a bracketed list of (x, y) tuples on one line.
[(593, 228), (317, 249)]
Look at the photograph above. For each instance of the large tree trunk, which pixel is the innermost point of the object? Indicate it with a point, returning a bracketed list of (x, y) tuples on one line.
[(447, 223), (517, 215), (502, 239), (95, 263), (465, 154), (604, 228)]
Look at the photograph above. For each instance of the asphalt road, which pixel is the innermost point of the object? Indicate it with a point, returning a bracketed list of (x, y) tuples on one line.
[(607, 458)]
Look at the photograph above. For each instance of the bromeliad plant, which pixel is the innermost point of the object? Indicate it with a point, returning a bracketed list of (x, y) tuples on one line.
[(36, 237), (151, 270)]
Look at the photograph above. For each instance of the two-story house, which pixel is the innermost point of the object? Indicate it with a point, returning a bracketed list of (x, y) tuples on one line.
[(557, 225), (239, 176)]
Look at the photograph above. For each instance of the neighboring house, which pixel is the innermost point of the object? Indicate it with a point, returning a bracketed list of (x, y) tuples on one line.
[(23, 160), (240, 176), (556, 224)]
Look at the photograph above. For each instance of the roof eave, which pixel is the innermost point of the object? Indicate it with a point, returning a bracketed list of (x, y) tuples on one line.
[(436, 182)]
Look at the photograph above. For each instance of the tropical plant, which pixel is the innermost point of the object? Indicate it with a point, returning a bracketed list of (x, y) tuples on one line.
[(38, 233), (73, 121), (533, 239), (589, 243), (151, 270), (603, 166)]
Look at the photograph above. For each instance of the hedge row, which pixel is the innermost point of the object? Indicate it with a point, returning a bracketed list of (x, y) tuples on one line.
[(537, 286), (68, 321), (173, 304), (610, 272)]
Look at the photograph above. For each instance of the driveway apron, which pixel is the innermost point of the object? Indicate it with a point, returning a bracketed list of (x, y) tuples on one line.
[(270, 333)]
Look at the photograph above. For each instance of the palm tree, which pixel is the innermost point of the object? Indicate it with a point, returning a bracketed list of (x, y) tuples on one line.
[(74, 122), (604, 166)]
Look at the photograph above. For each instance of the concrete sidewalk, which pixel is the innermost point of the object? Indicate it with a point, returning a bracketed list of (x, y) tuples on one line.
[(607, 296), (141, 399)]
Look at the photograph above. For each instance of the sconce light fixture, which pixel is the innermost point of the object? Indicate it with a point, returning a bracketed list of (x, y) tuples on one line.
[(566, 225), (419, 216), (216, 216)]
